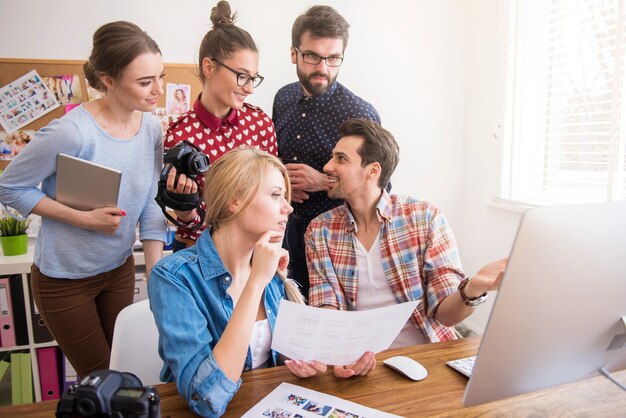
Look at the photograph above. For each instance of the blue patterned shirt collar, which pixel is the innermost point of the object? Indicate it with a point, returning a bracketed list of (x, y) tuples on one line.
[(322, 98)]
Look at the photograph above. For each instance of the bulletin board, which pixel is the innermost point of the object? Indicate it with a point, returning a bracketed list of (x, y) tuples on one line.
[(12, 69)]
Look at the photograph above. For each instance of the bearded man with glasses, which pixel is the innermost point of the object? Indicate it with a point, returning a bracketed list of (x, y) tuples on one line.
[(307, 115)]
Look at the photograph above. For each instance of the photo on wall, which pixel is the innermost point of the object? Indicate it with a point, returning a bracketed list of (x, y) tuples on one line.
[(66, 88), (11, 144), (177, 99), (24, 100)]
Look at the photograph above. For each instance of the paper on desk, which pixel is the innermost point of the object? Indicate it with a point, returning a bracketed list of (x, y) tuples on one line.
[(336, 337), (289, 400)]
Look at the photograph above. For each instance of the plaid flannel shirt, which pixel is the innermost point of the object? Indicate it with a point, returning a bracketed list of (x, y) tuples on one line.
[(419, 255)]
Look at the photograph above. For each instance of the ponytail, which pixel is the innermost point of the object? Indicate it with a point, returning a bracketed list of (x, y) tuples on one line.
[(292, 288)]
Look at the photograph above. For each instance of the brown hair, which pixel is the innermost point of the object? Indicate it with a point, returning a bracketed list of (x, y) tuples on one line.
[(379, 146), (115, 45), (225, 38), (321, 22), (238, 175)]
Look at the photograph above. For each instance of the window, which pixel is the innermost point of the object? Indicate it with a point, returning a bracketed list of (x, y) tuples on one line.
[(564, 126)]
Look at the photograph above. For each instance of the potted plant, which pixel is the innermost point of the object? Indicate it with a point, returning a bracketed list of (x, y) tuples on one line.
[(13, 237)]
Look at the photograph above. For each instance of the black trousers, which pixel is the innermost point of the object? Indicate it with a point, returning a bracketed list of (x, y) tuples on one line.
[(294, 243)]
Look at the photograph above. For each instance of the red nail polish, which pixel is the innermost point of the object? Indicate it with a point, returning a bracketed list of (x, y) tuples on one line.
[(123, 213)]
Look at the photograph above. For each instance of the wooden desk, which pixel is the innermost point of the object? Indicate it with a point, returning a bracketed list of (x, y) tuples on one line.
[(438, 395)]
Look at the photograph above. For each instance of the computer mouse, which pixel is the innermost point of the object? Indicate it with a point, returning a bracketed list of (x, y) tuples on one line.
[(407, 366)]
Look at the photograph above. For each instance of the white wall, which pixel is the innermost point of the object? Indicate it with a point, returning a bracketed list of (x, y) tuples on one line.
[(426, 65), (485, 233)]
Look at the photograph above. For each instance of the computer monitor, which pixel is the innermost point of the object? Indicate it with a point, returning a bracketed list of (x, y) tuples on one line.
[(558, 313)]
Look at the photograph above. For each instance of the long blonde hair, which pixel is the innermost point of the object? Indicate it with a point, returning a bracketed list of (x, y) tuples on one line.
[(238, 175)]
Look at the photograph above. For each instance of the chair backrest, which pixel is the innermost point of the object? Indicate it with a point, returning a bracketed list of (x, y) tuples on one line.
[(135, 343)]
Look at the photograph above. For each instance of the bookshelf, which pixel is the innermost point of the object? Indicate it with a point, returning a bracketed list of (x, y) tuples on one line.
[(20, 265)]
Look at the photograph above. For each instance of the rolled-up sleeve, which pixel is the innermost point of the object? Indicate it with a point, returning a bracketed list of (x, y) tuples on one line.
[(325, 289), (185, 341), (442, 264)]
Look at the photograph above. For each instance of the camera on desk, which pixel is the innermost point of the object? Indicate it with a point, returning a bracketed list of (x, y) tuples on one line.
[(109, 394)]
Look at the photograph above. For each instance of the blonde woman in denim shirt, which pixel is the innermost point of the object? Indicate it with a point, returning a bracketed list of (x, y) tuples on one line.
[(215, 305)]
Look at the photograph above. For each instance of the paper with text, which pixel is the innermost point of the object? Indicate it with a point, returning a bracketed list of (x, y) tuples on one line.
[(336, 337)]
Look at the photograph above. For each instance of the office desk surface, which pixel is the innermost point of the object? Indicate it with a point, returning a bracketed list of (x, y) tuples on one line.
[(439, 394)]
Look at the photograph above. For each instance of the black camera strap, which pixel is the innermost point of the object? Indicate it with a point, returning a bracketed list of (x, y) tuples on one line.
[(178, 201)]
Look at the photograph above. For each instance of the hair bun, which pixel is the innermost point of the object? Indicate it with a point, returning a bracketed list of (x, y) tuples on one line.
[(221, 14)]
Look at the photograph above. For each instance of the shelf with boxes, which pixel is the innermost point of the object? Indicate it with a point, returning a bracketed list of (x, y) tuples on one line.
[(29, 357)]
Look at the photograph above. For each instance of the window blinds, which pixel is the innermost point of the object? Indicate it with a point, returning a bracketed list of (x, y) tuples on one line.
[(563, 122)]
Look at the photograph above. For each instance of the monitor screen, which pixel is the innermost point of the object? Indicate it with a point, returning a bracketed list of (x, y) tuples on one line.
[(558, 314)]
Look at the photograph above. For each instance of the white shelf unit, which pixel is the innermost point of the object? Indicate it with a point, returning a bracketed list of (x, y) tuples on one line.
[(20, 264)]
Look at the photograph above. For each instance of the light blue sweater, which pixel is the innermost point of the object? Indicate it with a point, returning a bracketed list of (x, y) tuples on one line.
[(62, 250)]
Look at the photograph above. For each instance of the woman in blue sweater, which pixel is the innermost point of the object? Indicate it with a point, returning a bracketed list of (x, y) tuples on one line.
[(83, 271)]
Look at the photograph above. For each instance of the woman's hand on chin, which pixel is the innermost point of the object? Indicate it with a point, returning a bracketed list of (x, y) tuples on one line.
[(268, 257)]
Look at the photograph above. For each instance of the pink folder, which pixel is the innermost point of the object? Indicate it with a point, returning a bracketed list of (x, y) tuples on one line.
[(49, 373), (7, 330)]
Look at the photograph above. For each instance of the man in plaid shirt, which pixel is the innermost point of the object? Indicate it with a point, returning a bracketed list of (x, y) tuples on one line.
[(379, 249)]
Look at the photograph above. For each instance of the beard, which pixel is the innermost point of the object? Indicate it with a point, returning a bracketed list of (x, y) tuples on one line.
[(315, 89)]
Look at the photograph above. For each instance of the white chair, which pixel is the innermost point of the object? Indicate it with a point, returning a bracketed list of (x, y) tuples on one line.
[(135, 343)]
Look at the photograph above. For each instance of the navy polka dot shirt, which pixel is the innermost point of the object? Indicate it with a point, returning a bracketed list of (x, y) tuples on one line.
[(306, 131)]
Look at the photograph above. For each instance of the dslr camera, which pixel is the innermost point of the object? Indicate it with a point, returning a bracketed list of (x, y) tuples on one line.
[(187, 159), (109, 394)]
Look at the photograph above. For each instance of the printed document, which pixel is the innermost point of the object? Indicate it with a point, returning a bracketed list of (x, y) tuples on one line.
[(289, 400), (336, 337)]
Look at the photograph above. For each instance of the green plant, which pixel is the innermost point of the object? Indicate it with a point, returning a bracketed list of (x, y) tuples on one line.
[(13, 224)]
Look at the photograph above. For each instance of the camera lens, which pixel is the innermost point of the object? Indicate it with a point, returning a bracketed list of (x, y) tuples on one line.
[(85, 407), (199, 164)]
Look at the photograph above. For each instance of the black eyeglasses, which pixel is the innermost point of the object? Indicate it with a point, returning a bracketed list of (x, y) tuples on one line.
[(242, 78), (315, 59)]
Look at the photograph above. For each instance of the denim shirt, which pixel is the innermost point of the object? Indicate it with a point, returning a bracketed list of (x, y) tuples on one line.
[(191, 307)]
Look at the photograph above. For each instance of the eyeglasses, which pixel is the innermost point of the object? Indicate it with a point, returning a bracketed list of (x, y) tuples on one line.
[(242, 78), (315, 59)]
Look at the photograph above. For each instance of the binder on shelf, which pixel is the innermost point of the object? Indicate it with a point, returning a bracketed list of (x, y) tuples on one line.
[(19, 309), (16, 378), (4, 365), (41, 334), (7, 332), (27, 378), (69, 375), (141, 287), (5, 381), (49, 380)]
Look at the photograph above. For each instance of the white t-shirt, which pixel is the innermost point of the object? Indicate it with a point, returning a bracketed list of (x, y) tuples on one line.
[(261, 343), (374, 291)]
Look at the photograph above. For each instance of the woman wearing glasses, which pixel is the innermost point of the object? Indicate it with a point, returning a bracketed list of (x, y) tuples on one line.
[(219, 120)]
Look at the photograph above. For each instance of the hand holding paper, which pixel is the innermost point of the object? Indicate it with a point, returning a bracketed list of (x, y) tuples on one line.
[(336, 337)]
